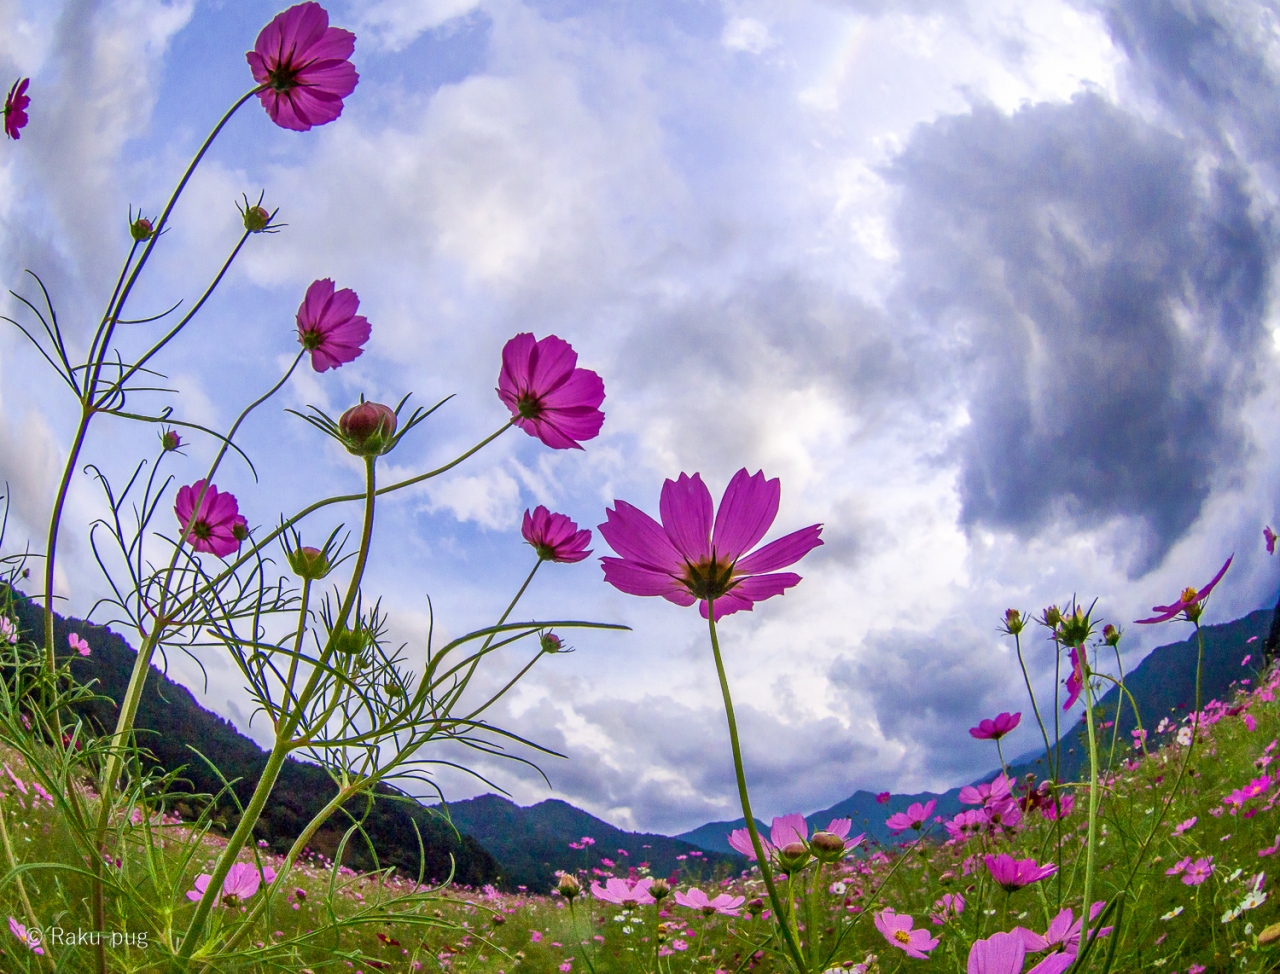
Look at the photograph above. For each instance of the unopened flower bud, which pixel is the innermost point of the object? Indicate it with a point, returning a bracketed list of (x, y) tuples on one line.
[(755, 907), (393, 690), (551, 643), (659, 889), (240, 530), (170, 440), (569, 887), (1013, 622), (497, 919), (1111, 635), (1270, 935), (347, 641), (256, 219), (793, 856), (1052, 617), (827, 846), (309, 563), (368, 430), (141, 229), (300, 894), (1076, 628)]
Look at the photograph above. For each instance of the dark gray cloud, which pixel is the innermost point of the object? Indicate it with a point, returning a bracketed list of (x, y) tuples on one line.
[(1102, 285)]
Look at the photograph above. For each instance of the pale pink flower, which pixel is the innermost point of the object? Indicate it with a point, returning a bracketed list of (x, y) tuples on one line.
[(725, 904), (29, 940), (913, 818), (328, 326), (897, 929), (1198, 871), (1182, 827), (80, 645), (305, 65), (548, 395), (622, 892), (242, 881), (948, 907)]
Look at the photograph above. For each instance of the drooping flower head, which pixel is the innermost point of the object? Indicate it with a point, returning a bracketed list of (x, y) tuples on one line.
[(305, 65), (1189, 604), (691, 557), (548, 395), (992, 730), (619, 891), (896, 928), (217, 527), (1013, 874), (913, 818), (1075, 680), (328, 326), (15, 108), (724, 904), (554, 537)]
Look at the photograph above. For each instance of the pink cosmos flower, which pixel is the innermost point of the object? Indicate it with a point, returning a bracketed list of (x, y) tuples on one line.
[(948, 907), (725, 904), (1198, 871), (883, 798), (1063, 934), (554, 537), (687, 559), (622, 892), (1003, 953), (328, 326), (305, 65), (993, 730), (999, 790), (243, 880), (1075, 682), (784, 830), (1061, 806), (897, 930), (535, 936), (81, 646), (217, 528), (1184, 826), (966, 823), (29, 940), (913, 818), (548, 395), (1189, 602), (1013, 874), (15, 110)]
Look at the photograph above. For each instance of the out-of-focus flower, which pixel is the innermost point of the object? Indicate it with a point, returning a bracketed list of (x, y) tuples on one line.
[(305, 65), (1198, 871), (913, 818), (990, 729), (1057, 808), (948, 907), (328, 326), (30, 940), (622, 892), (725, 904), (689, 559), (243, 880), (217, 527), (897, 929), (554, 537), (1013, 874), (15, 119), (883, 798), (1184, 826), (1190, 603), (80, 645), (8, 631), (548, 395), (1270, 537)]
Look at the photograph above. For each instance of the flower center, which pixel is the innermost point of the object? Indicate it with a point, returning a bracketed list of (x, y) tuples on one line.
[(529, 406), (708, 579), (200, 529), (312, 339), (284, 77), (902, 936)]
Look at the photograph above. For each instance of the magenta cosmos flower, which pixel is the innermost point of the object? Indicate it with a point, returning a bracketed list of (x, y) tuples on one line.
[(243, 880), (897, 930), (548, 395), (623, 893), (1003, 953), (1075, 680), (1269, 537), (688, 558), (218, 527), (15, 109), (1013, 874), (993, 730), (30, 940), (1063, 934), (787, 829), (913, 818), (305, 65), (328, 326), (554, 537), (1189, 602), (695, 899)]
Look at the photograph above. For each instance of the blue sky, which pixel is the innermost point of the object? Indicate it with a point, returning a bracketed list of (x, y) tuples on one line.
[(988, 285)]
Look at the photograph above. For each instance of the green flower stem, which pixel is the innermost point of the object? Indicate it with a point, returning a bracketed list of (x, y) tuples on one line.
[(1004, 768), (22, 890), (1087, 679), (297, 650), (1044, 731), (814, 928), (779, 915), (282, 746)]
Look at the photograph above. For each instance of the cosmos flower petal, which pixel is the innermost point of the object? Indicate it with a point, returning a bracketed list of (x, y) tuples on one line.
[(746, 513), (627, 576), (785, 551), (788, 828), (686, 512), (637, 537)]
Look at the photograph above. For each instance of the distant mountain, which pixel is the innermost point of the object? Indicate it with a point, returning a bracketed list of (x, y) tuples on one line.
[(1164, 684), (533, 842), (170, 725)]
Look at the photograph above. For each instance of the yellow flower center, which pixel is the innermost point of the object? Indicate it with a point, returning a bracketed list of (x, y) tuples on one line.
[(902, 936)]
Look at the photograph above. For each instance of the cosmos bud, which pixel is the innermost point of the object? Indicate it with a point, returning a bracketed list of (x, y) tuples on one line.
[(170, 440), (569, 887), (1013, 622), (827, 846), (755, 907), (1051, 617), (368, 430), (141, 229), (309, 563), (1111, 635), (793, 856), (659, 889), (256, 219)]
